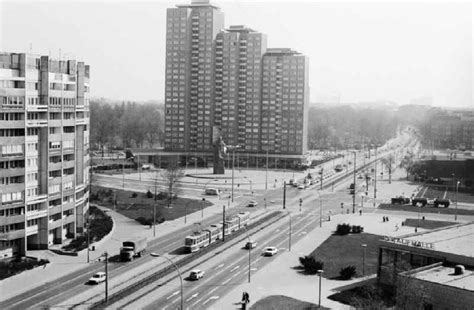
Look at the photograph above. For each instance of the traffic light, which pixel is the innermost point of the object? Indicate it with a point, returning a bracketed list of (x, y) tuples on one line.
[(301, 201)]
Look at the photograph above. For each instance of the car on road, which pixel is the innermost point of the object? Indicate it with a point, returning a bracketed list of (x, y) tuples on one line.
[(211, 191), (97, 278), (251, 244), (270, 251), (301, 186), (196, 274), (252, 203)]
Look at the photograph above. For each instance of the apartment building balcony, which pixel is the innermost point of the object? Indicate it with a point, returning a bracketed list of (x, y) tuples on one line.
[(14, 234), (12, 124), (68, 164), (38, 198), (80, 107), (69, 219), (31, 230), (80, 200), (12, 188), (64, 122), (7, 220), (12, 172), (55, 166), (31, 215), (55, 209), (54, 224), (37, 108), (37, 123)]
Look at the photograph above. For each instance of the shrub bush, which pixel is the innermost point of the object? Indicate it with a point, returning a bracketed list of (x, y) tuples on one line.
[(149, 194), (310, 264), (347, 273), (134, 195), (343, 229), (144, 221)]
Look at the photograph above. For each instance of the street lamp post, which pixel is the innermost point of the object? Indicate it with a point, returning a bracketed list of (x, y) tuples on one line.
[(456, 213), (364, 246), (375, 176), (233, 158), (320, 272), (106, 277), (289, 233), (249, 246), (179, 273), (354, 195)]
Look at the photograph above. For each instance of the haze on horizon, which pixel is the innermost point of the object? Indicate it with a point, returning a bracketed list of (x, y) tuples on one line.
[(358, 51)]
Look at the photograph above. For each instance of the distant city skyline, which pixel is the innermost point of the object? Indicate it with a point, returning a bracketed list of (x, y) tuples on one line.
[(389, 51)]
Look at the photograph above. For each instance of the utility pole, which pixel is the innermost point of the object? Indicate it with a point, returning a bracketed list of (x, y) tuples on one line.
[(154, 206), (375, 176), (106, 278), (321, 178), (284, 194), (354, 192), (223, 223)]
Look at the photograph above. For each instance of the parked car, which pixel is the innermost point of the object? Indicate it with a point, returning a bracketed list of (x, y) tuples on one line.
[(97, 278), (251, 244), (419, 201), (400, 200), (301, 186), (270, 251), (442, 202), (252, 203), (196, 274)]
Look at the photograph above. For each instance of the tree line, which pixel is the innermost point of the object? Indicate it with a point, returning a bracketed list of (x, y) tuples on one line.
[(126, 125), (348, 127)]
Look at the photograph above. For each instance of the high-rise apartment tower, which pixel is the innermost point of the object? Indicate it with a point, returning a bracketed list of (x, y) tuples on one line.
[(189, 92), (44, 151)]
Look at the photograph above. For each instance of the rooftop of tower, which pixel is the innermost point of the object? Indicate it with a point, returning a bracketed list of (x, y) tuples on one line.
[(198, 3), (239, 28), (280, 51)]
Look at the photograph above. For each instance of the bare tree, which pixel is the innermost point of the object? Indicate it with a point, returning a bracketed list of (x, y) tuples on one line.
[(171, 175), (411, 294), (389, 162)]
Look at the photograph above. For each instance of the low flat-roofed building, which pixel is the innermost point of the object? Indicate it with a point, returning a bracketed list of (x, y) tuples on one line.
[(442, 287), (428, 258)]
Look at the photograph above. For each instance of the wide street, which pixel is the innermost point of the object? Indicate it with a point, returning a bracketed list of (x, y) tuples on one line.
[(317, 206)]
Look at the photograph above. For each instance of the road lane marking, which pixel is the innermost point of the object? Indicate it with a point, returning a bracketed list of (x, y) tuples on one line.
[(170, 296), (192, 296), (220, 266), (210, 298), (226, 281), (236, 267)]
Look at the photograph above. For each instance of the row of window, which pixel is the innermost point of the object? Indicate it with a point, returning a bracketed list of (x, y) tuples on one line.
[(9, 197)]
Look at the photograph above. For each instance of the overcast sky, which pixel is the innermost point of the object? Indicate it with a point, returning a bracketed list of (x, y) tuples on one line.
[(358, 51)]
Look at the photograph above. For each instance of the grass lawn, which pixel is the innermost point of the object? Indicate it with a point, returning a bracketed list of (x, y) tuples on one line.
[(368, 296), (410, 208), (342, 251), (427, 224), (445, 191), (142, 206), (279, 302)]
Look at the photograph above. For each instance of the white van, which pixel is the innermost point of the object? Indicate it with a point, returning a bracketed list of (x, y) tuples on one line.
[(212, 191)]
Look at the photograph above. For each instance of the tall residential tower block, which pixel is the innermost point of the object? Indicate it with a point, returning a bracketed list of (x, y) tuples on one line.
[(225, 82), (44, 151)]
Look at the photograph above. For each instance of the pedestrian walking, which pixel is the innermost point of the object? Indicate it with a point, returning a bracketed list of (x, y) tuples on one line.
[(360, 211)]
